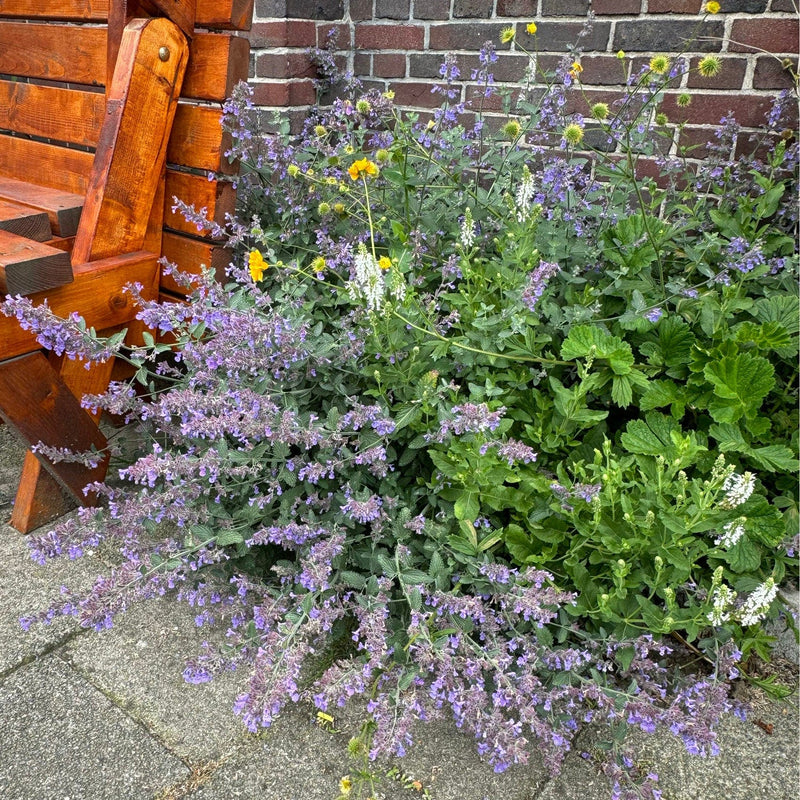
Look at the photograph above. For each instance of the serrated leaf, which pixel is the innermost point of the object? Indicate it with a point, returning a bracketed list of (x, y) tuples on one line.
[(675, 340), (591, 340), (664, 393), (729, 438), (650, 436), (354, 579), (621, 391), (229, 537), (388, 566), (744, 556), (415, 599), (437, 566), (467, 506), (519, 544), (741, 383), (413, 576), (404, 414), (764, 522), (775, 458)]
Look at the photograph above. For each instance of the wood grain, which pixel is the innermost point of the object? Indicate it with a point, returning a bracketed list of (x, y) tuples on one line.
[(27, 267), (38, 407), (77, 54), (24, 221), (133, 142), (224, 14), (40, 498), (198, 141), (97, 292), (62, 208), (217, 197), (46, 164), (190, 255)]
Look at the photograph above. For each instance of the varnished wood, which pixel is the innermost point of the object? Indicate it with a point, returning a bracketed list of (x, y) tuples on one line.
[(133, 142), (27, 267), (46, 164), (50, 112), (97, 293), (77, 54), (40, 498), (24, 221), (39, 407), (223, 14), (217, 197), (190, 255), (62, 208), (197, 139)]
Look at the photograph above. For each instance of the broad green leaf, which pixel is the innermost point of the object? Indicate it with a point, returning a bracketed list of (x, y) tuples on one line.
[(784, 309), (650, 436), (405, 414), (664, 393), (229, 537), (518, 543), (764, 522), (775, 458), (744, 556), (621, 391), (729, 438), (596, 342), (467, 506), (740, 382)]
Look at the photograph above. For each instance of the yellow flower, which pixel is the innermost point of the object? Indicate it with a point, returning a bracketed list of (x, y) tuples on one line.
[(600, 110), (512, 129), (318, 264), (345, 785), (712, 7), (384, 262), (620, 54), (573, 133), (293, 170), (531, 28), (507, 35), (320, 130), (709, 66), (575, 69), (362, 167), (659, 64), (257, 265)]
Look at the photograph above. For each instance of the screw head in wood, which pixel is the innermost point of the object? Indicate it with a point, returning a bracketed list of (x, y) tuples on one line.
[(163, 53)]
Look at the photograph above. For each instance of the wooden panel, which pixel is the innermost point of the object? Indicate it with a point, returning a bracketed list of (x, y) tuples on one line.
[(217, 62), (46, 164), (217, 197), (190, 255), (63, 208), (197, 139), (39, 407), (40, 498), (77, 54), (225, 14), (49, 112), (53, 52), (27, 266), (97, 292), (133, 142), (24, 221)]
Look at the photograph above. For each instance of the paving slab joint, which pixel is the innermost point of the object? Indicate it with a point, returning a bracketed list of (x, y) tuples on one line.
[(45, 651)]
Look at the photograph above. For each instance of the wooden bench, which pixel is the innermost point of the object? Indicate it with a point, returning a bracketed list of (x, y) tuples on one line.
[(108, 110)]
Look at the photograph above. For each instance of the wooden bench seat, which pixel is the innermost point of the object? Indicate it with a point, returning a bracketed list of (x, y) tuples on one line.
[(108, 110)]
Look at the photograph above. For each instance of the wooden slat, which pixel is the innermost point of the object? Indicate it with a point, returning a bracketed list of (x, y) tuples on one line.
[(198, 140), (133, 142), (46, 164), (224, 14), (27, 267), (39, 407), (24, 221), (190, 255), (76, 54), (50, 112), (63, 208), (97, 292), (217, 197), (40, 498)]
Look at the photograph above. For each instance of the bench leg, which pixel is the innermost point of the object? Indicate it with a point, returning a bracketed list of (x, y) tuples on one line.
[(39, 498)]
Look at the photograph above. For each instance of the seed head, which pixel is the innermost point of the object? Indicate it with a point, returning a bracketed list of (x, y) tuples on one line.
[(507, 35), (600, 110), (573, 133), (659, 64), (709, 66)]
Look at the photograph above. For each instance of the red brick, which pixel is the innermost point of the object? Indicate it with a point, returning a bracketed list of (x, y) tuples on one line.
[(287, 93), (389, 37), (432, 9), (472, 8), (731, 75), (559, 36), (602, 70), (283, 33), (341, 32), (564, 8), (617, 6), (771, 35), (693, 142), (284, 65), (676, 6), (748, 110), (392, 9), (389, 65), (362, 64), (416, 94), (784, 5), (494, 102), (773, 73)]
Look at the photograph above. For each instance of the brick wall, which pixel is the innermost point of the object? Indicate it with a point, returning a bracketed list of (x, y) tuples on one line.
[(399, 45)]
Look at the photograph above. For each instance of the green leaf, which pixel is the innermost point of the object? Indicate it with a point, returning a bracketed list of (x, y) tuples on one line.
[(764, 522), (519, 544), (354, 579), (741, 383), (591, 340), (651, 436), (729, 438), (467, 506), (229, 537), (744, 556), (775, 458), (405, 414), (621, 391), (664, 393)]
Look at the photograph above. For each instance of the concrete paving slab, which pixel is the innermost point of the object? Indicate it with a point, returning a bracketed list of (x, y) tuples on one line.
[(751, 764), (297, 760), (141, 660), (63, 740)]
